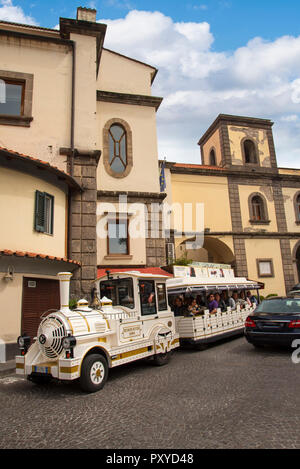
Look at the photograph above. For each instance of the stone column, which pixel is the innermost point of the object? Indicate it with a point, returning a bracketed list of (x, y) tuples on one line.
[(83, 221)]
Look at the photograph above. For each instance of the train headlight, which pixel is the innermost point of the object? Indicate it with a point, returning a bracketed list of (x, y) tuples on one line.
[(69, 342), (23, 343)]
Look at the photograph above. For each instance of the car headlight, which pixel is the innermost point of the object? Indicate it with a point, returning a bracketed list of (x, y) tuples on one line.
[(69, 342)]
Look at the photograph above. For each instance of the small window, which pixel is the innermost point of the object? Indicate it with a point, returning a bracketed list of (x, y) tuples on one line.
[(161, 296), (265, 268), (212, 158), (120, 292), (117, 148), (117, 237), (44, 210), (12, 97), (250, 152), (257, 209), (147, 295)]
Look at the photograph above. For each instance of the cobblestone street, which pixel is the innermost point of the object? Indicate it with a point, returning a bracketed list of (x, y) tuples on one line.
[(228, 396)]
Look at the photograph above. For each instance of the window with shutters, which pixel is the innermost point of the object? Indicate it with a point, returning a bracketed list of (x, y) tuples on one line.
[(44, 210)]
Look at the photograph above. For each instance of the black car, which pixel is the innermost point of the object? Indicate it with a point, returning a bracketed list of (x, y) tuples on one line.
[(275, 321)]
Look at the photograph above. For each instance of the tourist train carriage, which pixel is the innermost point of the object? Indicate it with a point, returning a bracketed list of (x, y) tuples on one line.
[(131, 321), (205, 328)]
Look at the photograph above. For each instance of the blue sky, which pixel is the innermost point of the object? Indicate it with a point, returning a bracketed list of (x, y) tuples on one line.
[(214, 56), (233, 22)]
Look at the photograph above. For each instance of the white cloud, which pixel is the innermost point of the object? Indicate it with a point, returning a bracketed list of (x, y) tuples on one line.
[(14, 14), (260, 79)]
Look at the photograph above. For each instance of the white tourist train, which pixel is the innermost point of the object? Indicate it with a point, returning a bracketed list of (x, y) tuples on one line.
[(132, 321), (201, 327), (85, 342)]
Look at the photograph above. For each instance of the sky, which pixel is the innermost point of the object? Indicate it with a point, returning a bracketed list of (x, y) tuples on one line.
[(214, 56)]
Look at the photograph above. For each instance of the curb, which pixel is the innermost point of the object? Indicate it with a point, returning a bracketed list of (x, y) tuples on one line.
[(8, 367)]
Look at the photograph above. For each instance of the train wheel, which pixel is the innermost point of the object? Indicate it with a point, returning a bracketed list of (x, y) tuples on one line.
[(162, 359), (94, 373)]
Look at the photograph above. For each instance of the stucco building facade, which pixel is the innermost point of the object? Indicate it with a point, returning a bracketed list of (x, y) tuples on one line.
[(251, 207)]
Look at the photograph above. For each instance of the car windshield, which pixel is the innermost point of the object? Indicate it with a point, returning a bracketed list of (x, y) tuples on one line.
[(120, 291), (280, 305)]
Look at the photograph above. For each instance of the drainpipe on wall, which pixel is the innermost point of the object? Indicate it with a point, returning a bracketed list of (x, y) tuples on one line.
[(72, 133)]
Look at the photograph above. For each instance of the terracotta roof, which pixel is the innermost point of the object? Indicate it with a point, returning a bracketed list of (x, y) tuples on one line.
[(197, 166), (142, 270), (34, 255), (6, 153)]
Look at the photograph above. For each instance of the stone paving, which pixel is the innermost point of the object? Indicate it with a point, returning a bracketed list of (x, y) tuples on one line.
[(228, 396)]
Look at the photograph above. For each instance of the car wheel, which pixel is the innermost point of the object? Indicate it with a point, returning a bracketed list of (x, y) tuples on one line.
[(94, 373)]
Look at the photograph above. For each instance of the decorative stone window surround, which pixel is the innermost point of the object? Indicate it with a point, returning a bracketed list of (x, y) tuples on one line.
[(25, 119), (265, 220), (106, 148)]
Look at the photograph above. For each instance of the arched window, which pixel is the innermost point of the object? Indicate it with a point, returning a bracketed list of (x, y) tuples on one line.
[(117, 148), (250, 153), (212, 158), (258, 208), (297, 207)]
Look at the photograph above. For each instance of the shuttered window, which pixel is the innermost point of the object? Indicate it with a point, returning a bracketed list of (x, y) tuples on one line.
[(44, 209)]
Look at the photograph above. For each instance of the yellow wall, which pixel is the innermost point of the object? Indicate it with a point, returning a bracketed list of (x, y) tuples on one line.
[(210, 190), (245, 192), (236, 134), (288, 195), (266, 249), (17, 208)]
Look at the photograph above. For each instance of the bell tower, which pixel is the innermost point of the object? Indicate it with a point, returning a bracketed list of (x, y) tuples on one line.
[(235, 141)]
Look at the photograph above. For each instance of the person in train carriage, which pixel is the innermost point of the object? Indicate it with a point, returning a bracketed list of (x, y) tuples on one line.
[(212, 304), (194, 307), (252, 299), (222, 306), (178, 308), (231, 302)]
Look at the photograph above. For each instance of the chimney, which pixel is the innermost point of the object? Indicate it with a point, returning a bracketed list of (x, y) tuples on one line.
[(86, 14), (64, 280)]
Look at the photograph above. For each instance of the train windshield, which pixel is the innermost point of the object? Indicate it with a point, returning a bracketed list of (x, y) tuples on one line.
[(120, 291)]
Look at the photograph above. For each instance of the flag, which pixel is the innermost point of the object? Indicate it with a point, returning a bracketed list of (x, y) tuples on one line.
[(162, 178)]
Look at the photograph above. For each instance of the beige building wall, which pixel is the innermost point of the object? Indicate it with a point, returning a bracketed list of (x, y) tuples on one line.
[(144, 176), (266, 249), (267, 193), (17, 208), (237, 134), (51, 67), (11, 306), (288, 196), (123, 75)]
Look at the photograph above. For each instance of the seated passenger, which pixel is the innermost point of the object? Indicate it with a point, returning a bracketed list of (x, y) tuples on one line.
[(252, 299), (212, 304), (194, 308), (179, 308), (221, 302)]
